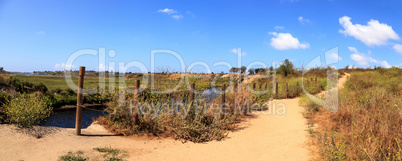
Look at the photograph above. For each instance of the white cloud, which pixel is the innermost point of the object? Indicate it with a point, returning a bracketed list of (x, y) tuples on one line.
[(334, 56), (364, 60), (398, 48), (385, 64), (373, 34), (352, 49), (303, 20), (40, 33), (284, 41), (236, 51), (64, 66), (174, 12), (177, 17), (279, 27), (167, 11)]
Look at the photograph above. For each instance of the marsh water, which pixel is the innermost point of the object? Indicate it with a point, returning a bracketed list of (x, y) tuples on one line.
[(66, 118)]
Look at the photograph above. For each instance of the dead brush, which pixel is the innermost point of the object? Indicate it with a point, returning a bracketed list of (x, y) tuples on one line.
[(184, 122)]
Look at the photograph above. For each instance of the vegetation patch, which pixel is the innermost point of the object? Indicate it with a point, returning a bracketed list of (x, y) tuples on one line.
[(70, 156), (106, 154), (26, 110), (368, 123)]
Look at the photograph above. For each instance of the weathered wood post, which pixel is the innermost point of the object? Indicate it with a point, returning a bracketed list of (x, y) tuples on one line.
[(223, 98), (136, 118), (192, 86), (235, 87), (78, 118), (287, 91)]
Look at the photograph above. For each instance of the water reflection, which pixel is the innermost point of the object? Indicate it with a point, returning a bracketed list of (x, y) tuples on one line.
[(66, 118)]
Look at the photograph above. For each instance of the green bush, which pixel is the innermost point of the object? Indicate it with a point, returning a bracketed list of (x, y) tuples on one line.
[(4, 98), (27, 110)]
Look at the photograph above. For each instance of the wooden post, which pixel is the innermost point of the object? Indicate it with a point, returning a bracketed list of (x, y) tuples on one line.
[(79, 100), (223, 98), (254, 86), (287, 90), (192, 86), (235, 87), (232, 110), (136, 118)]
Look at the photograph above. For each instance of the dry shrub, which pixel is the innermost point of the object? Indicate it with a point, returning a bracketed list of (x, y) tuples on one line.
[(368, 125), (188, 124)]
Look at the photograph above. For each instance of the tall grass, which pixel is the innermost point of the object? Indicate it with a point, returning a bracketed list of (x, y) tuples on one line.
[(295, 87), (368, 123)]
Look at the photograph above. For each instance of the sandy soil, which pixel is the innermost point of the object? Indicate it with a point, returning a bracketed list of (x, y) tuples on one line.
[(267, 137)]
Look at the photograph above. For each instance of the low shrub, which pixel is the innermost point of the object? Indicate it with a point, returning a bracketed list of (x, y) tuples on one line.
[(158, 116), (4, 98), (70, 156), (111, 154), (26, 110)]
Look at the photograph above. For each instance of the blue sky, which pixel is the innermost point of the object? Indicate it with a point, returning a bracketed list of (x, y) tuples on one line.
[(41, 35)]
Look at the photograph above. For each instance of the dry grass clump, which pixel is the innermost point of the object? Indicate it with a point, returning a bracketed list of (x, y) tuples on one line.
[(160, 115), (368, 125)]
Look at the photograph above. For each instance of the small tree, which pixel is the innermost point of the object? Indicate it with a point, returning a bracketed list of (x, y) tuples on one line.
[(286, 68), (233, 70), (250, 71), (243, 69)]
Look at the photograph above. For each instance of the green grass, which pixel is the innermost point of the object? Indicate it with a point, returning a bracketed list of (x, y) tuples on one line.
[(70, 156), (111, 154), (161, 81), (53, 83)]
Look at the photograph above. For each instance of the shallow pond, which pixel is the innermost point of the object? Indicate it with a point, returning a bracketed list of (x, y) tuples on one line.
[(66, 118)]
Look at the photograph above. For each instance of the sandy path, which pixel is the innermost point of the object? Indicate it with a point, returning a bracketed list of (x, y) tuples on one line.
[(267, 137)]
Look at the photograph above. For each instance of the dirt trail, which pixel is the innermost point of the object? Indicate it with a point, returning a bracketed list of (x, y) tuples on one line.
[(267, 137)]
